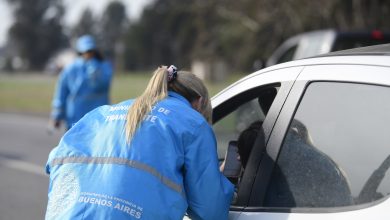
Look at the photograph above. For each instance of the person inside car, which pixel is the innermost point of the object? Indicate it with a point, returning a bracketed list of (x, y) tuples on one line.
[(247, 139)]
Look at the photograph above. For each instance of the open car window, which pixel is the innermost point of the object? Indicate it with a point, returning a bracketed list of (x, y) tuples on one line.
[(233, 124), (244, 112)]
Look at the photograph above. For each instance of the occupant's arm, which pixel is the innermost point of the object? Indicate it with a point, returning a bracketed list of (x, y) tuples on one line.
[(208, 192), (222, 166)]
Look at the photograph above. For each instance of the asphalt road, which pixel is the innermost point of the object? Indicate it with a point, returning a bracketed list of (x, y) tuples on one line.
[(24, 148)]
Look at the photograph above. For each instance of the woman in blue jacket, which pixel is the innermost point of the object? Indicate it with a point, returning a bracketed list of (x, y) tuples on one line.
[(82, 86), (150, 158)]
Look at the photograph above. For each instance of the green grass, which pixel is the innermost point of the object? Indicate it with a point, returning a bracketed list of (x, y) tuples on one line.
[(32, 92), (26, 93)]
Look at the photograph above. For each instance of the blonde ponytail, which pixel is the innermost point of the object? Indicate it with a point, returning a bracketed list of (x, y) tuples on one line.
[(184, 83), (156, 90)]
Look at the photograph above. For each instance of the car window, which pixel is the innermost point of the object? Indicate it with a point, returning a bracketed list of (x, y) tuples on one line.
[(253, 107), (336, 149), (343, 43), (288, 55), (230, 126), (240, 123)]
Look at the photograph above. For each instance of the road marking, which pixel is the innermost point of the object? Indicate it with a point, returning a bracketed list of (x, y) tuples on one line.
[(23, 166)]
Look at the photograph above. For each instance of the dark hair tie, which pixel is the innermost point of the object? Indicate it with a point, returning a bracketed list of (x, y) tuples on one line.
[(172, 73)]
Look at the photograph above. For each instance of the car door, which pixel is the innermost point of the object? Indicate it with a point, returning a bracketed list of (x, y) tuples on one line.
[(327, 155), (258, 97)]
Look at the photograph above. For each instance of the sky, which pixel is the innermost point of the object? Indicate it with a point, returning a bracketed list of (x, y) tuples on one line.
[(74, 8)]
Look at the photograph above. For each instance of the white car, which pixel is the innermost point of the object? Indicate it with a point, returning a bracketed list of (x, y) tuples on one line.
[(324, 148), (318, 42)]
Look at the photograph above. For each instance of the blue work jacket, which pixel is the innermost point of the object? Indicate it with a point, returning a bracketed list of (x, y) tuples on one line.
[(170, 167), (82, 86)]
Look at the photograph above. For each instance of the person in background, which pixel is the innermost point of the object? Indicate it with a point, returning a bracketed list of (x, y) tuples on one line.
[(154, 157), (82, 85)]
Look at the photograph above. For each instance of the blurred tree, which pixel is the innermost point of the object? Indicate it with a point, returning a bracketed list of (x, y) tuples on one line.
[(358, 14), (112, 27), (86, 24), (167, 33), (37, 31), (239, 32), (146, 41)]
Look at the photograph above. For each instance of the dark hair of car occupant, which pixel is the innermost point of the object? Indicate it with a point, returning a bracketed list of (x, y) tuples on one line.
[(153, 157)]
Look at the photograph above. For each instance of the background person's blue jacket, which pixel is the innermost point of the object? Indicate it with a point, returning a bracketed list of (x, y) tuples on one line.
[(82, 86), (170, 167)]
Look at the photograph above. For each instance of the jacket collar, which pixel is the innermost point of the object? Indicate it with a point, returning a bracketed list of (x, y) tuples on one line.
[(180, 97)]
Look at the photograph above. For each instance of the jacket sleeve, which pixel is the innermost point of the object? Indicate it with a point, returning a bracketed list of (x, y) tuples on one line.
[(61, 93), (208, 192)]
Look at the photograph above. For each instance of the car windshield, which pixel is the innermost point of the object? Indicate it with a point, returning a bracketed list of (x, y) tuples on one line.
[(349, 42)]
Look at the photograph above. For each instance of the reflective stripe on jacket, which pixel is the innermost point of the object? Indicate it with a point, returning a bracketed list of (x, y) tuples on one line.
[(169, 167), (82, 86)]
